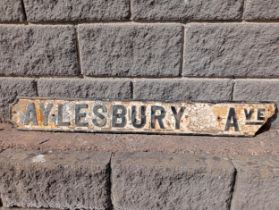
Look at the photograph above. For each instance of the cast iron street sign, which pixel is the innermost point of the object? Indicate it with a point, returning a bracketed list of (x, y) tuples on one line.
[(236, 119)]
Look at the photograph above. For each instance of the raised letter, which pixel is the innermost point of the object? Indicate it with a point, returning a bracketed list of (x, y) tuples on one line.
[(261, 114), (232, 120), (142, 117), (248, 114), (102, 119), (30, 115), (45, 111), (159, 117), (177, 116), (119, 113), (60, 116), (79, 115)]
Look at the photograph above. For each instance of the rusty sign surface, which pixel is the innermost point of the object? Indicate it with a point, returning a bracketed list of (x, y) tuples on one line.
[(237, 119)]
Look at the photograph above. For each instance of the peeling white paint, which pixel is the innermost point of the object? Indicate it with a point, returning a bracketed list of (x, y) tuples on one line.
[(39, 159)]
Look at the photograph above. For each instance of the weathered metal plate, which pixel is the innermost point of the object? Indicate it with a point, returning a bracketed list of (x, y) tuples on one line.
[(236, 119)]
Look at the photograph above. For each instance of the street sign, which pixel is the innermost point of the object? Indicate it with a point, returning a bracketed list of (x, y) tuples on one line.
[(234, 119)]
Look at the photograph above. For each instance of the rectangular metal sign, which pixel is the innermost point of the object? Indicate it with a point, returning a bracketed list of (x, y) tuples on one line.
[(236, 119)]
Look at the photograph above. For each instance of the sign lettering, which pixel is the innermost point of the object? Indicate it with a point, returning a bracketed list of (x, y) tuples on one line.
[(239, 119)]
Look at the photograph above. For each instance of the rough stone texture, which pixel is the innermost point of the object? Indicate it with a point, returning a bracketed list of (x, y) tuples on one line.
[(186, 89), (85, 88), (261, 10), (130, 50), (161, 181), (10, 89), (64, 180), (257, 184), (76, 10), (11, 11), (182, 10), (258, 90), (231, 50), (38, 50)]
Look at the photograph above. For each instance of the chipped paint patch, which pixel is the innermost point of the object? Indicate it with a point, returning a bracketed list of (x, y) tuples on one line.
[(39, 159)]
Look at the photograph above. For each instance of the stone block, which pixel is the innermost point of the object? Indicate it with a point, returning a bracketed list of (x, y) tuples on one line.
[(231, 50), (61, 180), (130, 49), (10, 89), (261, 10), (182, 10), (11, 11), (76, 10), (38, 50), (183, 89), (170, 181), (257, 183)]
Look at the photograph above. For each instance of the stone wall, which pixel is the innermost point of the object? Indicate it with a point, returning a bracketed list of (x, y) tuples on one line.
[(106, 181), (214, 50), (199, 50)]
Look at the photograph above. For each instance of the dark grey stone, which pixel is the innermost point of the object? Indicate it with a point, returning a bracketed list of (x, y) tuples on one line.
[(257, 183), (256, 90), (182, 10), (76, 10), (183, 89), (231, 50), (85, 88), (10, 89), (130, 49), (261, 10), (170, 181), (11, 11), (38, 50), (62, 180)]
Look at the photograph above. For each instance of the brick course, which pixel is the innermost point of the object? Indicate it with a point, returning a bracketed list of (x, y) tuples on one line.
[(185, 89), (183, 10), (76, 10), (256, 90), (85, 88)]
